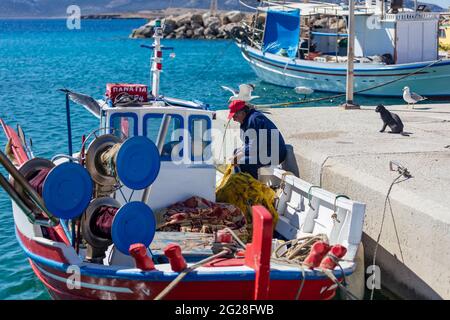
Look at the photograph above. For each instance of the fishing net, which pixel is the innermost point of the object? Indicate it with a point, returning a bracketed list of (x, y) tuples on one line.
[(200, 215), (244, 191)]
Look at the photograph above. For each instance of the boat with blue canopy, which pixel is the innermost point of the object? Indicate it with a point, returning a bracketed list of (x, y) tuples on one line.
[(304, 44)]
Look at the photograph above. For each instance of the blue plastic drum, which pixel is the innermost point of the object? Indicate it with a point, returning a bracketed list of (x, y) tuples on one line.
[(67, 190), (133, 223), (138, 162)]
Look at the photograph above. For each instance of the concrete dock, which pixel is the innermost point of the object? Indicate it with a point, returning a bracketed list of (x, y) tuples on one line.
[(344, 152)]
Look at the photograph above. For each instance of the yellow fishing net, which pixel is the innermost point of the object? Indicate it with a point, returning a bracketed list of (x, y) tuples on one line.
[(244, 191)]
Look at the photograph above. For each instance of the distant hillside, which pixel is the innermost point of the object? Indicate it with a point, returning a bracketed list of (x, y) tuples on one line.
[(57, 8)]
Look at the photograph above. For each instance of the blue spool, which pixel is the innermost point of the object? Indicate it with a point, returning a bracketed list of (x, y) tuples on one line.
[(138, 162), (133, 223), (67, 190)]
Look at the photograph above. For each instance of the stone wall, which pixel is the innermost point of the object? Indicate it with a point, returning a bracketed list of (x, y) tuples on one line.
[(223, 25)]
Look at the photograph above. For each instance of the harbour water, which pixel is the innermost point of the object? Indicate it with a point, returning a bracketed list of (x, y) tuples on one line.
[(37, 57)]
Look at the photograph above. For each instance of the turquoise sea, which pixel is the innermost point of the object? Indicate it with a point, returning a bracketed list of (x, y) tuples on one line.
[(37, 57)]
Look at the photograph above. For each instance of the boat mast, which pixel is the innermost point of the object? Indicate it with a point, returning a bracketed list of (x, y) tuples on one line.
[(349, 104), (157, 58)]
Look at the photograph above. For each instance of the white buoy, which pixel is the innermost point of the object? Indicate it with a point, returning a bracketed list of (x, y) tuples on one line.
[(305, 91)]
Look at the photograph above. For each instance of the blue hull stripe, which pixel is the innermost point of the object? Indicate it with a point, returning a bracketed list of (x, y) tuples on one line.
[(169, 276), (299, 68)]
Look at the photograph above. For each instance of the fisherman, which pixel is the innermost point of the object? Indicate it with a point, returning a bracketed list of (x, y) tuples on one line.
[(263, 143)]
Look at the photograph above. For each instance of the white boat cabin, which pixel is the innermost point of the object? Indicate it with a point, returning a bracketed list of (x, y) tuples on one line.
[(186, 167)]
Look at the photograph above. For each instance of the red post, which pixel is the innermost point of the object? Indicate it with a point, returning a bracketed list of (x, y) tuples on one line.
[(257, 253), (142, 261), (173, 252)]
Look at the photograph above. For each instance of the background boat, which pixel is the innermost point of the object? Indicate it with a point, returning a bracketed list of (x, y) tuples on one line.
[(394, 48)]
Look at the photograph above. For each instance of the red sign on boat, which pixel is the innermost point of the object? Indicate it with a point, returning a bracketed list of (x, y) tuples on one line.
[(135, 90)]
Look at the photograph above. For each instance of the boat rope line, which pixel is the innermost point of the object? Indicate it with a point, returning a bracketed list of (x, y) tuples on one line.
[(236, 238), (295, 255), (183, 273), (246, 5), (285, 104), (403, 172), (213, 60), (205, 68), (223, 140), (331, 276)]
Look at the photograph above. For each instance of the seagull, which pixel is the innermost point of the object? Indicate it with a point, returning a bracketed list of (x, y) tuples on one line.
[(244, 93), (303, 90), (86, 101), (411, 97)]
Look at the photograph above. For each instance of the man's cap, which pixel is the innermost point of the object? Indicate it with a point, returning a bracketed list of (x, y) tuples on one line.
[(234, 107)]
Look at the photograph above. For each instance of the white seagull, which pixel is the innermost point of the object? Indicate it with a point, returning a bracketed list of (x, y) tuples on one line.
[(244, 93), (411, 97), (303, 90)]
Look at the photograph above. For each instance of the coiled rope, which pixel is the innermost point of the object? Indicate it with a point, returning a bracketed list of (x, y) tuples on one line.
[(297, 253)]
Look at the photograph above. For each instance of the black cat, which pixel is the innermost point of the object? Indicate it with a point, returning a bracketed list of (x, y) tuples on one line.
[(389, 119)]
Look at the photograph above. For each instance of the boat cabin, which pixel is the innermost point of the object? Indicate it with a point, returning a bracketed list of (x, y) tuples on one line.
[(186, 158)]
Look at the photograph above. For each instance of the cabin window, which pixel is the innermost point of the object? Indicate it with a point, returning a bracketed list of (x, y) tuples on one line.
[(123, 124), (200, 138), (173, 141)]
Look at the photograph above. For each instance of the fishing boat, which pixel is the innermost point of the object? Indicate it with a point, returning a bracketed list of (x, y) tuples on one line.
[(295, 44), (88, 220)]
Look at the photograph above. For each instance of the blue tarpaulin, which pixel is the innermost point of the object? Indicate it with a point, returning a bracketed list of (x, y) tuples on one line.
[(282, 32)]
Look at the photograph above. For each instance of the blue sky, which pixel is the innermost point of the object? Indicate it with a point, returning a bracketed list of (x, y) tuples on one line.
[(442, 3)]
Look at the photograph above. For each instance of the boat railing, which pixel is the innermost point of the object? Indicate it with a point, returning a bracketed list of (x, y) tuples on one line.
[(307, 209), (411, 16), (340, 11), (246, 25)]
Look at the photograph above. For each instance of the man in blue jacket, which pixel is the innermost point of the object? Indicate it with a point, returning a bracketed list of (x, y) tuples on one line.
[(263, 143)]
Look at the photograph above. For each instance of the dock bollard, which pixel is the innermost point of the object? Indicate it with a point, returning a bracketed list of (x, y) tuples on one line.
[(176, 259), (139, 252)]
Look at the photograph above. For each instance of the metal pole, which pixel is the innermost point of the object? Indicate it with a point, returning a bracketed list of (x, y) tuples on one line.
[(156, 70), (162, 133), (157, 59), (349, 104), (69, 127), (19, 178), (16, 198)]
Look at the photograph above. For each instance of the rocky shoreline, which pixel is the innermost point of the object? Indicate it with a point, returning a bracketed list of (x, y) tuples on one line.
[(198, 25)]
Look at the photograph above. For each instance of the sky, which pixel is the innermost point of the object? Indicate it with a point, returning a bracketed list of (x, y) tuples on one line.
[(442, 3)]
